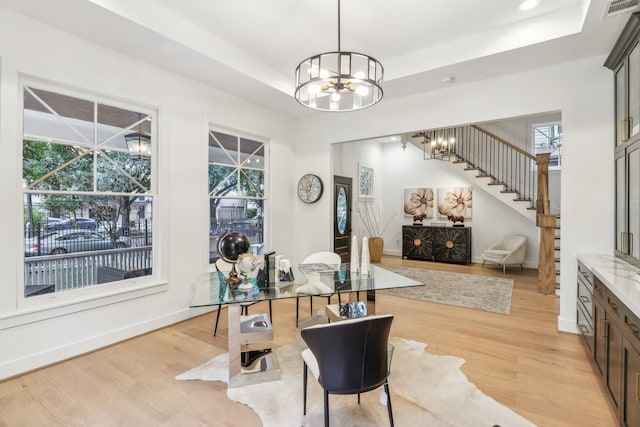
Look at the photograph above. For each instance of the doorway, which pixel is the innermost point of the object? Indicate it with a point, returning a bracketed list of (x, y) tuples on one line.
[(342, 216)]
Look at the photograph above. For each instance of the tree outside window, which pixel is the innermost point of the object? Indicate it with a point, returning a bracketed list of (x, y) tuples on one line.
[(78, 172), (236, 188)]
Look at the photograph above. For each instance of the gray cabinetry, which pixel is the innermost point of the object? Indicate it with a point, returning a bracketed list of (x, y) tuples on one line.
[(624, 61), (611, 333)]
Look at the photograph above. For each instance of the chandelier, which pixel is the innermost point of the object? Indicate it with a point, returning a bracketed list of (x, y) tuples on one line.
[(339, 81), (438, 144)]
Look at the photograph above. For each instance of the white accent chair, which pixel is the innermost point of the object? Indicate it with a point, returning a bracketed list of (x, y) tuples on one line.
[(510, 250), (314, 285)]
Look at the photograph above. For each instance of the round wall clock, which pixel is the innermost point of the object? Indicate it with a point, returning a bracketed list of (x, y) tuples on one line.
[(310, 188)]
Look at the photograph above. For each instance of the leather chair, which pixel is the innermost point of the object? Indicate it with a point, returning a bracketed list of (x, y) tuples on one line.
[(324, 257), (348, 357), (223, 268), (507, 251)]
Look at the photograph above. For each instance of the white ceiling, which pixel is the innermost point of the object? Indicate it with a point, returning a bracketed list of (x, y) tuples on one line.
[(252, 47)]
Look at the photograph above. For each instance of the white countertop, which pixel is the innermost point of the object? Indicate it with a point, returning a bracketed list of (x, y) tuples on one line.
[(622, 278)]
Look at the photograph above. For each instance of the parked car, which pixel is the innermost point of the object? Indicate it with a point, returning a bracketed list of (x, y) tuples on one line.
[(68, 224), (65, 241)]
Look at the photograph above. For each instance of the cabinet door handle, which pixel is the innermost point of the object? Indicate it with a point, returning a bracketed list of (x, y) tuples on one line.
[(603, 329), (613, 306), (630, 243), (584, 299), (634, 329), (584, 329), (637, 385), (624, 137)]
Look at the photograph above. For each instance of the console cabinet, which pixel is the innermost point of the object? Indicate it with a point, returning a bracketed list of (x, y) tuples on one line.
[(611, 333), (440, 244)]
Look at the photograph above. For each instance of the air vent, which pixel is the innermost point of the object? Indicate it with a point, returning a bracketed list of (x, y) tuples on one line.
[(618, 7)]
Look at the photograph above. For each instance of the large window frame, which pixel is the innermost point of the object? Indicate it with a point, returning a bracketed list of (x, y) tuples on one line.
[(237, 172), (107, 179), (547, 138)]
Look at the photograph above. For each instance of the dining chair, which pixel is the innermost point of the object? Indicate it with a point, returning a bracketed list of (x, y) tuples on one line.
[(324, 257), (348, 357), (223, 268)]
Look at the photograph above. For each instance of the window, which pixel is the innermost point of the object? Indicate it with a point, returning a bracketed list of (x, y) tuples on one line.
[(87, 188), (547, 138), (236, 189)]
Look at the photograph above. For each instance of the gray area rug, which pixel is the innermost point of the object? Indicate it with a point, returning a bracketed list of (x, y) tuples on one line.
[(491, 294), (426, 390)]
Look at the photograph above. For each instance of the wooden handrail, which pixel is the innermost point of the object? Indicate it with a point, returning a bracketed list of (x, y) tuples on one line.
[(507, 143)]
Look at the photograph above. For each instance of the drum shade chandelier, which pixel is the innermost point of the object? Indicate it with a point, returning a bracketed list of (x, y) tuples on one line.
[(339, 81)]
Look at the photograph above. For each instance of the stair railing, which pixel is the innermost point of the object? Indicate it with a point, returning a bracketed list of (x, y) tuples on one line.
[(521, 173)]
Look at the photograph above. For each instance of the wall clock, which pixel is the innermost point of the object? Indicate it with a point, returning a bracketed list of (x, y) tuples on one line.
[(310, 188)]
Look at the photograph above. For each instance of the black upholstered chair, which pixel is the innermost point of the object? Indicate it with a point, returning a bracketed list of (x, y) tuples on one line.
[(348, 357)]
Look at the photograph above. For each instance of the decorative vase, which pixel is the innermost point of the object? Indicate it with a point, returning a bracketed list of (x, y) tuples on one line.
[(376, 244)]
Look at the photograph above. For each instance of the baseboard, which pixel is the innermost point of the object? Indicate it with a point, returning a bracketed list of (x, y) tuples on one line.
[(567, 325), (35, 361)]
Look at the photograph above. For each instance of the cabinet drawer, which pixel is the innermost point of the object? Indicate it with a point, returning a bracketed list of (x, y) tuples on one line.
[(586, 276), (585, 327), (632, 327), (615, 309), (585, 297), (598, 290)]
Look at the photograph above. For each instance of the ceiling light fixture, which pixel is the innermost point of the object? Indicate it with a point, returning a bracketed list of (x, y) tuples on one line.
[(339, 81), (529, 4)]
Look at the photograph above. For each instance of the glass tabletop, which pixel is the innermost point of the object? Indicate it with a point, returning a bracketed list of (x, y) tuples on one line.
[(310, 279)]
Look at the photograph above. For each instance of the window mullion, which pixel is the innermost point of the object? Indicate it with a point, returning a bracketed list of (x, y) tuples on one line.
[(94, 143)]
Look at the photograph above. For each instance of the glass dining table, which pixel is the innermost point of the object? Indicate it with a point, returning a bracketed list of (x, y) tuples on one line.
[(307, 280)]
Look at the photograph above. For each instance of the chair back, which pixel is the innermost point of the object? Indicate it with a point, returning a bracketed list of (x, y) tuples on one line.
[(351, 354)]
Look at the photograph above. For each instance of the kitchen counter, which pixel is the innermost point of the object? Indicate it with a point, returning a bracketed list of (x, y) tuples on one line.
[(620, 277)]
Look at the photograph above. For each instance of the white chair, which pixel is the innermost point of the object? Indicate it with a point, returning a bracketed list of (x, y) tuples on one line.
[(324, 257), (224, 268), (510, 250)]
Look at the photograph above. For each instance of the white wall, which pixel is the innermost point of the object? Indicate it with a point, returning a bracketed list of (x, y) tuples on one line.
[(31, 337), (581, 90)]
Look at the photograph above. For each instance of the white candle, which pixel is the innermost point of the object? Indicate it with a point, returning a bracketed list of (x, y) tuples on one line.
[(354, 254), (364, 267)]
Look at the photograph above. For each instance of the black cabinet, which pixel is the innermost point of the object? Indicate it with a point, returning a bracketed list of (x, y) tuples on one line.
[(624, 61), (440, 244)]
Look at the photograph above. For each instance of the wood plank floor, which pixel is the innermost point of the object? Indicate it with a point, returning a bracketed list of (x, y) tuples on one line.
[(520, 359)]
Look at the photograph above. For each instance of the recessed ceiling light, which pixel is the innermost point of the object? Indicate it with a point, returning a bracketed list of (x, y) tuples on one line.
[(529, 4)]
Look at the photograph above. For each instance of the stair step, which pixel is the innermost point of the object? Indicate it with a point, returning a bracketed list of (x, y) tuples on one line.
[(522, 199), (531, 208), (472, 168), (509, 191), (459, 161), (496, 183), (486, 175)]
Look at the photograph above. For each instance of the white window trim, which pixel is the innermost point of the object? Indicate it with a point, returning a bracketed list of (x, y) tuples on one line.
[(533, 142), (94, 296)]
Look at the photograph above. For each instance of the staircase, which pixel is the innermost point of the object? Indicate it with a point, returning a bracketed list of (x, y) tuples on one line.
[(512, 175)]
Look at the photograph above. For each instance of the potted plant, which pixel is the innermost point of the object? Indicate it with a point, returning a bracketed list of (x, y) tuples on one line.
[(371, 218)]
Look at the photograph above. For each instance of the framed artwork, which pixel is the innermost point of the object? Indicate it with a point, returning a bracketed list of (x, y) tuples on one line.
[(365, 182), (418, 201), (455, 202)]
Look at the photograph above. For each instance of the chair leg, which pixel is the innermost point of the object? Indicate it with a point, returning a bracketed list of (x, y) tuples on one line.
[(504, 269), (215, 329), (270, 313), (297, 309), (304, 389), (389, 410), (521, 267), (311, 306), (358, 398), (326, 408), (483, 263)]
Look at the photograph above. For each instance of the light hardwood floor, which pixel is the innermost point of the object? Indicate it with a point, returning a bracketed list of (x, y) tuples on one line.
[(520, 359)]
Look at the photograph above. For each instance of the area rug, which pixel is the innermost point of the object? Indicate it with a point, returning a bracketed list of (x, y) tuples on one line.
[(426, 389), (491, 294)]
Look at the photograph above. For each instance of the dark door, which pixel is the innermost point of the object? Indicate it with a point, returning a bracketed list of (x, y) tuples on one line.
[(342, 217)]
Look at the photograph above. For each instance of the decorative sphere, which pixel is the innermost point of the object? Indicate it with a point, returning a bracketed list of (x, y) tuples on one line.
[(232, 245)]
